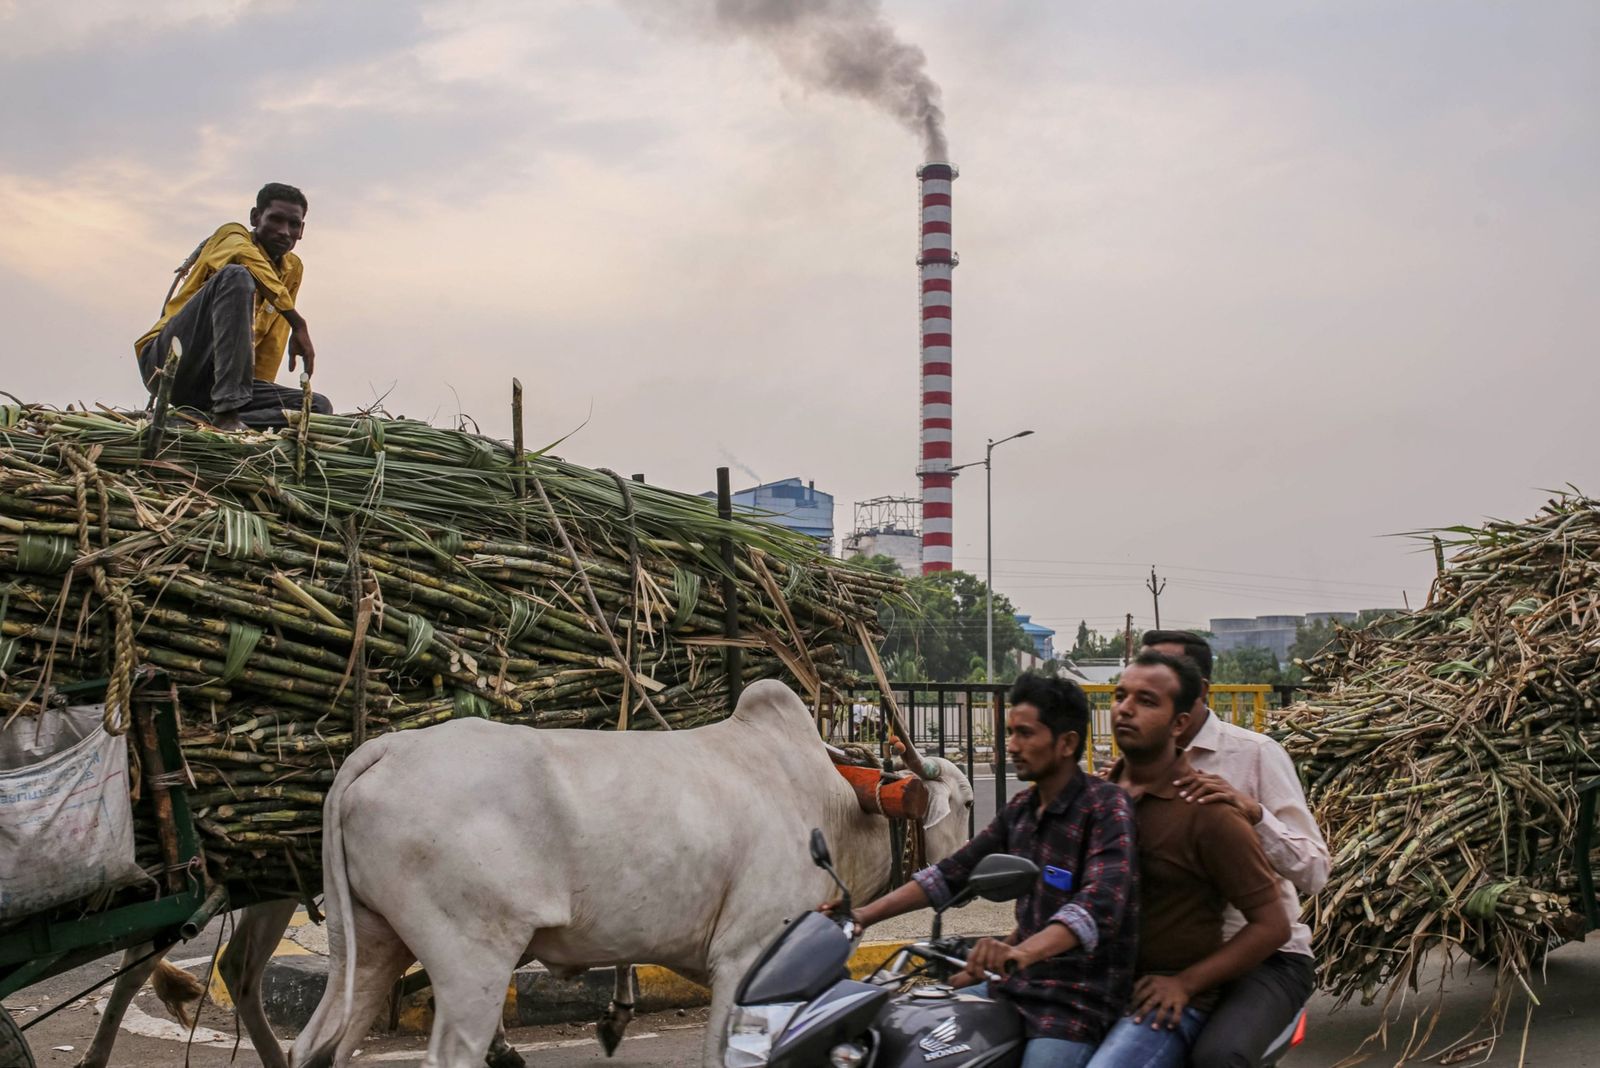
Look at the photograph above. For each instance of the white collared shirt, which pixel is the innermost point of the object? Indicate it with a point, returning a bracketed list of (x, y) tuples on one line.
[(1258, 767)]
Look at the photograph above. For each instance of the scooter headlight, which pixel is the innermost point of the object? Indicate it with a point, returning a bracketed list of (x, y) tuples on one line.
[(752, 1029), (847, 1055)]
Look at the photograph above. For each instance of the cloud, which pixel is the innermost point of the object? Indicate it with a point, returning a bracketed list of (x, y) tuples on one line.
[(36, 27), (1268, 284)]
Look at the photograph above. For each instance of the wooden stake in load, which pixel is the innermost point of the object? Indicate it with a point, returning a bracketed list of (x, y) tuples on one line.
[(914, 760), (158, 418)]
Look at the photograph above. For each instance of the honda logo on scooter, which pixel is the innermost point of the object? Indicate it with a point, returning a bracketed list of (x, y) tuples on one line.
[(938, 1045)]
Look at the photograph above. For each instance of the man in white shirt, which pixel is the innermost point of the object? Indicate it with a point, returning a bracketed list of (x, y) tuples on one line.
[(1251, 772)]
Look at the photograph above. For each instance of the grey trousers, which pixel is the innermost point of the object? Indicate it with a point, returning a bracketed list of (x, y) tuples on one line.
[(1255, 1008), (217, 370)]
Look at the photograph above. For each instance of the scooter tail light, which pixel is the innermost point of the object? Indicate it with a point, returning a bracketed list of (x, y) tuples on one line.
[(1299, 1032)]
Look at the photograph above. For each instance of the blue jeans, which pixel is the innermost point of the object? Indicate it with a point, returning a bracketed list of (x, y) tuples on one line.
[(1047, 1052), (1056, 1053), (1138, 1045)]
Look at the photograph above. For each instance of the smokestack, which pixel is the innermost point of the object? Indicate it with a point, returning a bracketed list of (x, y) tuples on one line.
[(936, 264)]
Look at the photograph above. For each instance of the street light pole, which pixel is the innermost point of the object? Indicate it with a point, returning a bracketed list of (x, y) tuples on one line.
[(988, 538), (988, 552)]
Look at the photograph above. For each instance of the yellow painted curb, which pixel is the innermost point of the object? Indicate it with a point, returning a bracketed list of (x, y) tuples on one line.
[(218, 990), (655, 984), (870, 956)]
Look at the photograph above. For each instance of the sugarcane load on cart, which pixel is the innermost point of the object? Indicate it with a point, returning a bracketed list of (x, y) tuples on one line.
[(232, 613)]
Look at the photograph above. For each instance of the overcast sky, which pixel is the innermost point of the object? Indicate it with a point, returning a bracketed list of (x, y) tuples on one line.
[(1271, 280)]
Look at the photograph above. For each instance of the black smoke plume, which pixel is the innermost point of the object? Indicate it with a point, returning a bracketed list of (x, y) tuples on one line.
[(842, 46)]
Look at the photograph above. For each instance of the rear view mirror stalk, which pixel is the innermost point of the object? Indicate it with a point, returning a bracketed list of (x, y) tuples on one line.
[(824, 860)]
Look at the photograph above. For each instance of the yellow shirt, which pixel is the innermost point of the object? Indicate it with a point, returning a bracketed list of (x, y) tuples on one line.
[(276, 286)]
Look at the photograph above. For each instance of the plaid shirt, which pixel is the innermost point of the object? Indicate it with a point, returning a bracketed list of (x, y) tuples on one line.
[(1088, 830)]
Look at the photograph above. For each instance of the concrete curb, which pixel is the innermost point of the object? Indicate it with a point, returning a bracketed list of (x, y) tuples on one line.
[(295, 979)]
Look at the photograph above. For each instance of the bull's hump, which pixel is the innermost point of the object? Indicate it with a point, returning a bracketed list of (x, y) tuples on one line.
[(770, 701)]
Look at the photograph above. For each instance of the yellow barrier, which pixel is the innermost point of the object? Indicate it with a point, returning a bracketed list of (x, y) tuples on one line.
[(1243, 706)]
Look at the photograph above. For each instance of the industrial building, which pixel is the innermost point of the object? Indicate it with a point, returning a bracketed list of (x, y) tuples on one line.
[(791, 503), (1042, 637), (887, 526), (1278, 633)]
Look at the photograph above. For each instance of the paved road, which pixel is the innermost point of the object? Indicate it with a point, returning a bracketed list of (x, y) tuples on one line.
[(1565, 1031)]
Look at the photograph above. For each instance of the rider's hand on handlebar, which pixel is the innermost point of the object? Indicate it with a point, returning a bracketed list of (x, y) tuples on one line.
[(991, 955), (831, 909), (1161, 999)]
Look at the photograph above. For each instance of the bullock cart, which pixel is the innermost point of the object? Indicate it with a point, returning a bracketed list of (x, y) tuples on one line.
[(303, 590)]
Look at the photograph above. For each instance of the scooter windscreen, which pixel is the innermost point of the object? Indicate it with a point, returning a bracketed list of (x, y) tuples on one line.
[(807, 958)]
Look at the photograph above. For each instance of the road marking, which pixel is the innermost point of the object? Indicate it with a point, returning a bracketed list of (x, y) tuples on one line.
[(192, 962), (138, 1022), (520, 1047)]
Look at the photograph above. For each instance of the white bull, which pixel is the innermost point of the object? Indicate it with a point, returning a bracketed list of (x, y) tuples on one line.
[(475, 846)]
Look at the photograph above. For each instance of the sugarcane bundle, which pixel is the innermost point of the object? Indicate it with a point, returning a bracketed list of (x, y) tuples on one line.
[(1444, 756), (307, 588)]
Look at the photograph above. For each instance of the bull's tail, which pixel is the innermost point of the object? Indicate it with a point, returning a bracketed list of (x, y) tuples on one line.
[(179, 991), (338, 907)]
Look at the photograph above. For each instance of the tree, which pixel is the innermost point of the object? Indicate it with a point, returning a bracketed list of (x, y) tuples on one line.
[(883, 565), (1092, 645), (938, 625), (1248, 666), (1311, 639)]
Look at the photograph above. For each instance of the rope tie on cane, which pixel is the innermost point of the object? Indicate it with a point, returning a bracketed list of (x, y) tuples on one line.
[(124, 657), (1481, 903)]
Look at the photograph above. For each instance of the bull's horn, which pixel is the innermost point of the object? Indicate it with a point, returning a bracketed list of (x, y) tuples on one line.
[(837, 755), (923, 769)]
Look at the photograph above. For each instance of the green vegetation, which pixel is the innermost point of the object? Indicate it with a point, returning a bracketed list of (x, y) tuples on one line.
[(935, 631), (1092, 645)]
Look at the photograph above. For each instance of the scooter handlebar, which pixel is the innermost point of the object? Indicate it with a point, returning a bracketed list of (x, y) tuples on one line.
[(929, 952)]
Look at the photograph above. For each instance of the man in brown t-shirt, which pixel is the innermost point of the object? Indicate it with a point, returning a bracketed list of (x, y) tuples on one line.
[(1194, 860)]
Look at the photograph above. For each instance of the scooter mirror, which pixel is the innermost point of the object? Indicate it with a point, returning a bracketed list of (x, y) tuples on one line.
[(819, 849), (1002, 877)]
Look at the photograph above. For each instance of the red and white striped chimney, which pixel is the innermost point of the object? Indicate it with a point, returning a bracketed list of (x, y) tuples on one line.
[(937, 262)]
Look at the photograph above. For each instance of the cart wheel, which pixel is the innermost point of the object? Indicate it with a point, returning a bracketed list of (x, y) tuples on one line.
[(13, 1047)]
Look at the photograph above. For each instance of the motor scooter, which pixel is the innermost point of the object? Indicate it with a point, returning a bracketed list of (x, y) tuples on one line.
[(798, 1007)]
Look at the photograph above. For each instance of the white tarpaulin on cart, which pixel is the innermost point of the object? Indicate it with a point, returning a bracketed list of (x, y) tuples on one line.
[(66, 826)]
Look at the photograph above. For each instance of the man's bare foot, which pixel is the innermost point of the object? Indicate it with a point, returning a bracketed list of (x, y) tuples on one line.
[(228, 422)]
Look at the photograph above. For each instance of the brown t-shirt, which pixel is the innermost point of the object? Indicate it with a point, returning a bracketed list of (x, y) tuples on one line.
[(1193, 861)]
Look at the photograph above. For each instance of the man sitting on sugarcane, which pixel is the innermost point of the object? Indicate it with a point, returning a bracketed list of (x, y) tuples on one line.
[(232, 315), (1251, 774)]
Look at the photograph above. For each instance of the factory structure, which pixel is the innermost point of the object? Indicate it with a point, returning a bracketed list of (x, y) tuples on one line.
[(792, 503), (887, 526), (936, 263), (918, 533), (1278, 632)]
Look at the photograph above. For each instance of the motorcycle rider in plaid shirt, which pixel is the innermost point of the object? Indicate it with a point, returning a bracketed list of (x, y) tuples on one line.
[(1068, 965)]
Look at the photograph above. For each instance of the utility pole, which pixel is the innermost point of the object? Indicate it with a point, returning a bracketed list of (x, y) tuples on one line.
[(1127, 639), (1155, 593)]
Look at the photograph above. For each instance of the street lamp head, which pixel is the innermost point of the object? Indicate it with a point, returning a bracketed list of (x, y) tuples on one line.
[(1013, 437)]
